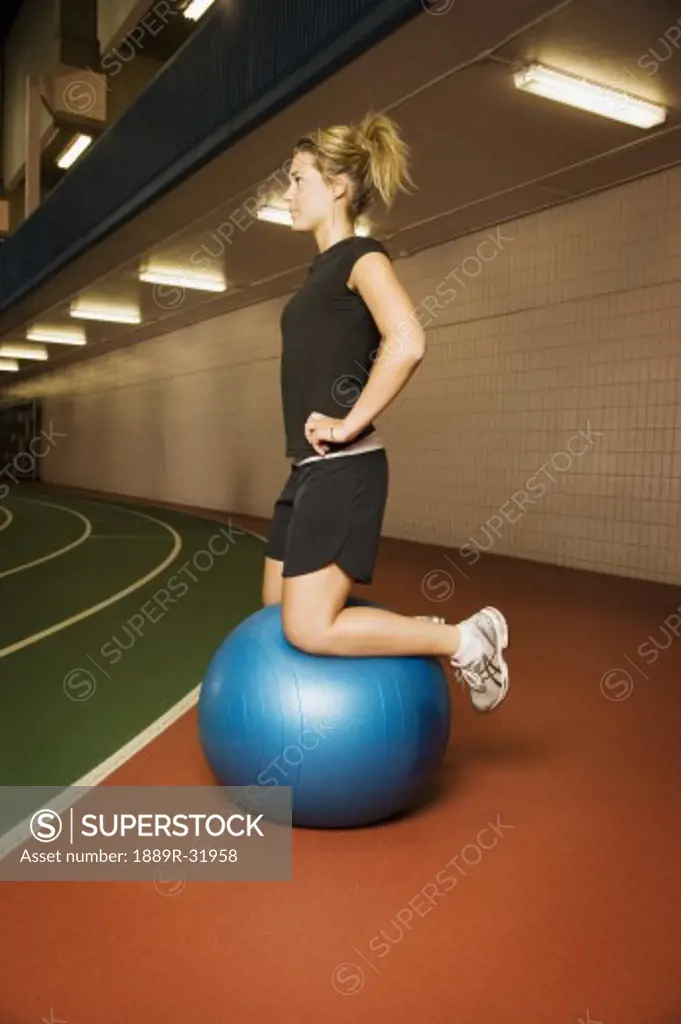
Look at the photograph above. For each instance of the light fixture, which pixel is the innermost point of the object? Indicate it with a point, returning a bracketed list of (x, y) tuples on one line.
[(196, 9), (58, 335), (74, 149), (174, 275), (10, 365), (24, 351), (275, 215), (586, 95), (111, 312), (279, 215), (598, 99)]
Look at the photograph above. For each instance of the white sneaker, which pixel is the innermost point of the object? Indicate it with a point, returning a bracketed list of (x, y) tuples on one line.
[(487, 675)]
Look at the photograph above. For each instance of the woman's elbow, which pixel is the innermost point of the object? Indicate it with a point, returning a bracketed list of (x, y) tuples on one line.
[(416, 350), (401, 351)]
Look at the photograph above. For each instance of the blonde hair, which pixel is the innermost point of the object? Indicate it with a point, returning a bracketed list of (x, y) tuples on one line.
[(372, 154)]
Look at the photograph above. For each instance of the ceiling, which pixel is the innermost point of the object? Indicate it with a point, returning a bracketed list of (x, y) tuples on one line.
[(8, 12), (160, 46), (483, 153), (127, 76)]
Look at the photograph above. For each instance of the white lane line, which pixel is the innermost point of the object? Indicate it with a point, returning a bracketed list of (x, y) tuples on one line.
[(69, 796), (60, 551), (21, 833), (65, 623), (139, 742), (9, 518)]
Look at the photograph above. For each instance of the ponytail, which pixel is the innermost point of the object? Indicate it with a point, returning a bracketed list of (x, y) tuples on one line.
[(387, 171), (372, 154)]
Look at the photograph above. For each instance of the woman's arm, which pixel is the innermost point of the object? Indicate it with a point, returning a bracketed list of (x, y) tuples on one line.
[(403, 342), (402, 348)]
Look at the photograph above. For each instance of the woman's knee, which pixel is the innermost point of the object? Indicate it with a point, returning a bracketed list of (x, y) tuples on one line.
[(310, 605), (305, 634)]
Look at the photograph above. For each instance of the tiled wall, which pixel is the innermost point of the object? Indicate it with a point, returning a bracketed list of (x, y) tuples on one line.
[(545, 422)]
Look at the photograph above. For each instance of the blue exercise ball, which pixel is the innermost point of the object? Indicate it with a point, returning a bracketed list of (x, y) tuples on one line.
[(358, 740)]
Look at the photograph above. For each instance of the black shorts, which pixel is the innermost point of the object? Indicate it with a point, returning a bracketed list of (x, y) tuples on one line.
[(331, 511)]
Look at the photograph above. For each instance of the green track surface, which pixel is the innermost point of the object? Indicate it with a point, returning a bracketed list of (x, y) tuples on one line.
[(72, 699)]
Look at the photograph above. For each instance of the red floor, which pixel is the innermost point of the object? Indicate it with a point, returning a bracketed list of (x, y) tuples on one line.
[(568, 912)]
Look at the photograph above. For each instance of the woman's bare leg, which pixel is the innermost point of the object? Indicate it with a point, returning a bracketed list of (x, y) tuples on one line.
[(272, 582), (315, 619)]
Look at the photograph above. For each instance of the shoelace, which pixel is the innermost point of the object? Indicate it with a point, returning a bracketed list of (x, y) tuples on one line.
[(477, 680), (469, 678)]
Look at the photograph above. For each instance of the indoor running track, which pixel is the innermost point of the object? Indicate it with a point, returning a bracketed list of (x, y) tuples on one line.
[(569, 914)]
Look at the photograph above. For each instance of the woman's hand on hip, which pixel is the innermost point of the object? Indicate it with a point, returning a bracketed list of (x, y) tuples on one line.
[(320, 429)]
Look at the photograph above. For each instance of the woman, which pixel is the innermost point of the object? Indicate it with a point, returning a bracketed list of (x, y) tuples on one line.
[(328, 518)]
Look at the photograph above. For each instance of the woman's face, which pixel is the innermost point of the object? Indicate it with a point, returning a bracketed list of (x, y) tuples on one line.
[(310, 199)]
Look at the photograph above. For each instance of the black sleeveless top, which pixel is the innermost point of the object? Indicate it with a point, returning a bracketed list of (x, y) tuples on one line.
[(329, 343)]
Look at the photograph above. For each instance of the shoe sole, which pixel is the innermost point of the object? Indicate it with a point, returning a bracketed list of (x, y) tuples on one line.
[(500, 626)]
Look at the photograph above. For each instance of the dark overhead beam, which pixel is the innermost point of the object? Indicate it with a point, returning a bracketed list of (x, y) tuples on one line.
[(246, 62), (77, 30), (8, 13)]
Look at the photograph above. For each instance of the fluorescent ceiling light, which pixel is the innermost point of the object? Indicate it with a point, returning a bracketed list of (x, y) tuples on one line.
[(275, 215), (174, 274), (24, 352), (11, 365), (59, 335), (279, 215), (111, 312), (598, 99), (197, 8), (75, 149)]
